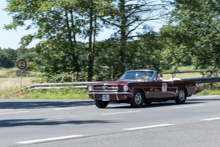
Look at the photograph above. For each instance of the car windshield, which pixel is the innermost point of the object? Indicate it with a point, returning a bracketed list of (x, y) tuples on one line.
[(136, 75)]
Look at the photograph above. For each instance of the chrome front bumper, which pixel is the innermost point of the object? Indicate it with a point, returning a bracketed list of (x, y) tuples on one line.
[(116, 93), (109, 93)]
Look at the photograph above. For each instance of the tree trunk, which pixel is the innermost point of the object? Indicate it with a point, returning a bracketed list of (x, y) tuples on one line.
[(76, 64), (68, 29), (91, 55), (123, 38), (72, 43), (73, 27)]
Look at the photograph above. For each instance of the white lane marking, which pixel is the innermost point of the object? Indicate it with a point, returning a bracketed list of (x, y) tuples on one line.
[(49, 139), (54, 119), (18, 122), (6, 110), (188, 106), (13, 112), (64, 108), (147, 127), (210, 119), (120, 112)]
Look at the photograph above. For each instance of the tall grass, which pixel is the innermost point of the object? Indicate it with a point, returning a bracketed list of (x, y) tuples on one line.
[(11, 73), (8, 85), (7, 73), (9, 81)]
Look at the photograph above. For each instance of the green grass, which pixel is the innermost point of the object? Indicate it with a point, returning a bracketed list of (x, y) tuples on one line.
[(62, 93), (209, 92), (188, 68)]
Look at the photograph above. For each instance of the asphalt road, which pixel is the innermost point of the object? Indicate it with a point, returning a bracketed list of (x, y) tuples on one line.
[(78, 123)]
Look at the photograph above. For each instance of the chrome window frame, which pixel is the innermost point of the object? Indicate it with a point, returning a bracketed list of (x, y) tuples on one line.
[(152, 79)]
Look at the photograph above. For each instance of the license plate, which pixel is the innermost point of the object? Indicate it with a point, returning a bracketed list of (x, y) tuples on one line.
[(105, 97)]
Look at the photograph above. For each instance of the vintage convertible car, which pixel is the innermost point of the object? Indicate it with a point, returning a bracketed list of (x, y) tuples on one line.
[(138, 87)]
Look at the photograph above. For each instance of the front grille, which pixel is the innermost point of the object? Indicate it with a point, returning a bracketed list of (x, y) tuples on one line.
[(105, 87)]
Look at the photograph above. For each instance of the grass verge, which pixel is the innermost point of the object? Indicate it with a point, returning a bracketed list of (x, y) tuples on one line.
[(62, 93), (209, 92)]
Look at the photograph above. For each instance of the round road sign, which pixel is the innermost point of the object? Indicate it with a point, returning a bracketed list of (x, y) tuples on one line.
[(22, 64)]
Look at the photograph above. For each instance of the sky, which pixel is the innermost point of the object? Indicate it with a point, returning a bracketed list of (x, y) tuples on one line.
[(11, 38)]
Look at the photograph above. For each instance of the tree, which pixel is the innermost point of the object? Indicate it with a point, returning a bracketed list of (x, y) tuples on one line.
[(3, 60), (147, 53), (106, 63), (30, 56), (142, 53), (193, 33), (59, 22), (127, 16), (8, 58), (89, 10), (54, 20)]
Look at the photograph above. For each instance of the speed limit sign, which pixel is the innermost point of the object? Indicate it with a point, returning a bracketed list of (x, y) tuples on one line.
[(22, 64)]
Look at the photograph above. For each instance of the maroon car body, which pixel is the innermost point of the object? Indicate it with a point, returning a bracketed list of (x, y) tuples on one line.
[(144, 89)]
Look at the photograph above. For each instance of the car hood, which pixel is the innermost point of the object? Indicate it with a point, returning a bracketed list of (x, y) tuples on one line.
[(116, 82)]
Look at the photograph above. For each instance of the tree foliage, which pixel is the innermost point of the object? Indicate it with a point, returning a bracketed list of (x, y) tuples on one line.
[(193, 34), (7, 58), (60, 22), (127, 16)]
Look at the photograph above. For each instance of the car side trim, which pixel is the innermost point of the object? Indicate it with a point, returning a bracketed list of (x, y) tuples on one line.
[(117, 97), (109, 93)]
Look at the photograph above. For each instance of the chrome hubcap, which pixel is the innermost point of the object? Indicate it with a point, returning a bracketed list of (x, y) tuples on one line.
[(138, 98), (182, 95)]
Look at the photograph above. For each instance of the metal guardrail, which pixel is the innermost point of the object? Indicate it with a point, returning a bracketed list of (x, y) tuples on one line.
[(60, 85), (204, 80), (84, 84), (210, 71), (54, 86)]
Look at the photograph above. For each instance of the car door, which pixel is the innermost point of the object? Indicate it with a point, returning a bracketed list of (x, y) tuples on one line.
[(146, 87), (163, 89), (171, 89)]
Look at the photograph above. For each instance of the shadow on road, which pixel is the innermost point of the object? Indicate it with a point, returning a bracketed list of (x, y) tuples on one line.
[(45, 122), (156, 104), (29, 104), (43, 104), (202, 100)]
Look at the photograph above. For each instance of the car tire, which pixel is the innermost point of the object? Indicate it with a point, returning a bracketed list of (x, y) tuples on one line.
[(137, 100), (101, 104), (181, 97)]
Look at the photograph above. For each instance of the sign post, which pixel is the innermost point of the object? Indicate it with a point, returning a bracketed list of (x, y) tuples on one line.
[(21, 64), (21, 81)]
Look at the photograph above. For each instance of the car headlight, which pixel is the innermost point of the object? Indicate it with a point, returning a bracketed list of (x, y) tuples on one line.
[(125, 88), (90, 88)]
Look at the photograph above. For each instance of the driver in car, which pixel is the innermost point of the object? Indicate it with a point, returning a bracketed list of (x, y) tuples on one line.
[(137, 76)]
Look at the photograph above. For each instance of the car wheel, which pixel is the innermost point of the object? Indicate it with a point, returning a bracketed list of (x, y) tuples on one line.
[(137, 100), (101, 104), (181, 97)]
